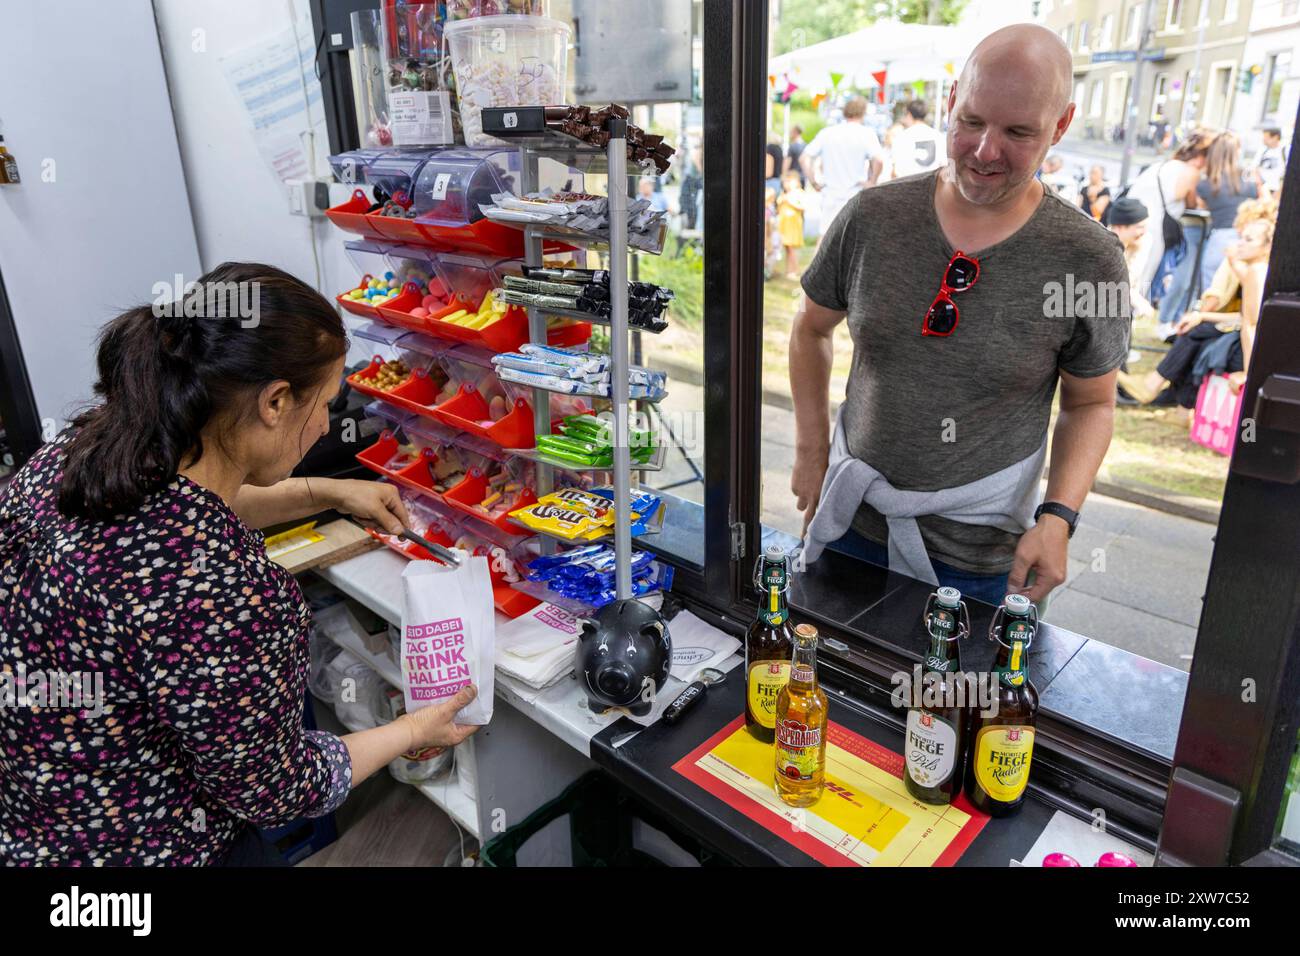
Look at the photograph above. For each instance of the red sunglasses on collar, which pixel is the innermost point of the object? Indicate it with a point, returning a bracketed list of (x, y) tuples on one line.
[(942, 317)]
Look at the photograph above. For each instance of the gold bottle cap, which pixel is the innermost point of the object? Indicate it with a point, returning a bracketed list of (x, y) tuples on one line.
[(806, 631)]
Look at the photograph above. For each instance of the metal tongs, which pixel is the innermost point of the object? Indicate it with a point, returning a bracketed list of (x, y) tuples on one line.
[(437, 550)]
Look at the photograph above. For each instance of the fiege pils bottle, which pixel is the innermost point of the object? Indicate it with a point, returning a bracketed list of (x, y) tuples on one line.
[(768, 644), (934, 749), (801, 726)]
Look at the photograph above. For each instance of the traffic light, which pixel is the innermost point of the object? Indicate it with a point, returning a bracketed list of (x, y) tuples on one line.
[(1246, 78)]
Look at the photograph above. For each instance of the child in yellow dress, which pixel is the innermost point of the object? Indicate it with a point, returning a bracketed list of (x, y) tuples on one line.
[(790, 208)]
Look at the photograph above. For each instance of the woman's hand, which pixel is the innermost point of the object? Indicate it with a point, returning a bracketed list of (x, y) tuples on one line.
[(1236, 382), (1188, 322), (435, 726), (372, 502)]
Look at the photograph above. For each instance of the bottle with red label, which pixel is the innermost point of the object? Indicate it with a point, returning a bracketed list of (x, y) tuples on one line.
[(801, 726)]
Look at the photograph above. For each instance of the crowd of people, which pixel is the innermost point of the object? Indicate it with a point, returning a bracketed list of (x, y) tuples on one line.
[(1197, 230), (843, 158)]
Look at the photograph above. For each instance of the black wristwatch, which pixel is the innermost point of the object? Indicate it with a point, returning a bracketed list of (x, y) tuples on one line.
[(1068, 515)]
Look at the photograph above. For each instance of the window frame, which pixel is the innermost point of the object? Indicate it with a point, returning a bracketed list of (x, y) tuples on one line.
[(1224, 801)]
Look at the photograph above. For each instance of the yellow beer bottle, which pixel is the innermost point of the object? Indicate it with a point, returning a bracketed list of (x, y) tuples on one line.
[(1003, 745), (801, 726), (767, 645)]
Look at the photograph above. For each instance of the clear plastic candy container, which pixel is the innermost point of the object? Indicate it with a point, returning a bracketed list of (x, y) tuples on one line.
[(506, 60)]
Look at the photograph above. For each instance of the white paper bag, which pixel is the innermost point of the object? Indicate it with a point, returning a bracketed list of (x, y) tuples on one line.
[(448, 634)]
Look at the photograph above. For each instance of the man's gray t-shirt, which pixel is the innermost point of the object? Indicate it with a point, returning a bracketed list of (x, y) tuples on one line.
[(933, 412)]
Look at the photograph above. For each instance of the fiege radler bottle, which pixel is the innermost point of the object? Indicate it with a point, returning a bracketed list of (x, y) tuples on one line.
[(936, 725), (1003, 745), (768, 644), (801, 726)]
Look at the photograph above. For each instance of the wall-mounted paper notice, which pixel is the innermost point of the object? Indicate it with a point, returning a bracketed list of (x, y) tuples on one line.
[(269, 77)]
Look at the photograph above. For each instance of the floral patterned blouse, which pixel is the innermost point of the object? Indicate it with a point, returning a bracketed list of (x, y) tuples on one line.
[(200, 642)]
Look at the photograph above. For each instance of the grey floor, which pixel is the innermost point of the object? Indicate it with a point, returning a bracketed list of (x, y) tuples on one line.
[(1136, 575)]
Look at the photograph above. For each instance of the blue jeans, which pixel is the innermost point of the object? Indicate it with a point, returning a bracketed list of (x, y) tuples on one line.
[(1176, 299), (989, 588), (1216, 250)]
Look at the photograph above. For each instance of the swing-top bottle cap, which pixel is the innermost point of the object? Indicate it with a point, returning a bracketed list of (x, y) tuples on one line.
[(948, 597), (1016, 604), (774, 553)]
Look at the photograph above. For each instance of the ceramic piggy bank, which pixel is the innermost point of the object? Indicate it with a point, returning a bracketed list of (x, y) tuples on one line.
[(623, 656)]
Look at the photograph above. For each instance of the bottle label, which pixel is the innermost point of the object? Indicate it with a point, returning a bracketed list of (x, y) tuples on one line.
[(798, 749), (1018, 635), (931, 750), (766, 679), (1002, 755), (774, 611)]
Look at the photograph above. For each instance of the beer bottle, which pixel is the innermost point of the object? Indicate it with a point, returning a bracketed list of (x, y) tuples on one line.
[(936, 724), (767, 645), (1003, 745), (8, 166), (801, 726)]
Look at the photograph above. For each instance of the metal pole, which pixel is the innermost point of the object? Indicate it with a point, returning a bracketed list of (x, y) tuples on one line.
[(533, 244), (1135, 92), (618, 352)]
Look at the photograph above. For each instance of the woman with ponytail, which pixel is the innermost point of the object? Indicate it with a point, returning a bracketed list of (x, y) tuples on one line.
[(131, 570)]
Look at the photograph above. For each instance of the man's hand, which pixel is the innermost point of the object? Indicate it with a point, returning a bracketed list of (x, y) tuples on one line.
[(373, 502), (806, 481), (1043, 552)]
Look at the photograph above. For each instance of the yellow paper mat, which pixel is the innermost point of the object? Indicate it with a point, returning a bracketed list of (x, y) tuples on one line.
[(865, 817)]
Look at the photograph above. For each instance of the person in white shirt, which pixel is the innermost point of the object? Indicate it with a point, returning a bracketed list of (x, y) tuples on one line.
[(842, 159), (1272, 161), (1053, 176), (918, 147)]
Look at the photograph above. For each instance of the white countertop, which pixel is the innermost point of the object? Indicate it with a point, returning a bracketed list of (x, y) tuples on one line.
[(375, 579)]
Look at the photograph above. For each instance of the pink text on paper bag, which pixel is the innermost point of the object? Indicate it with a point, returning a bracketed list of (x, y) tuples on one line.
[(435, 659)]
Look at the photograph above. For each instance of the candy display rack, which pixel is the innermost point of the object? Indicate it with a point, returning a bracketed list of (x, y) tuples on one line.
[(613, 161), (432, 204)]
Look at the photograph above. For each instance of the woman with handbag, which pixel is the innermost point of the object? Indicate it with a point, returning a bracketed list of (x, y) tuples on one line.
[(1165, 189), (129, 563)]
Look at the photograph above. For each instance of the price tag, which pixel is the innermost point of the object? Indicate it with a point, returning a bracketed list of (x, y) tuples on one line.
[(440, 183)]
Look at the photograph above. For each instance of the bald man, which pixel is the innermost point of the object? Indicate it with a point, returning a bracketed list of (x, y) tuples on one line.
[(970, 292)]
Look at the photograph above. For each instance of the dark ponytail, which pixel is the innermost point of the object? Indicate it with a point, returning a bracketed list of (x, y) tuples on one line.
[(165, 371)]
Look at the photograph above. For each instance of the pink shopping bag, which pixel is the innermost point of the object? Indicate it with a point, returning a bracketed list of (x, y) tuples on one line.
[(1214, 422)]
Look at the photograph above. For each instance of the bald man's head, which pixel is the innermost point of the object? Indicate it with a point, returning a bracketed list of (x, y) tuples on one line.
[(1010, 105), (1027, 50)]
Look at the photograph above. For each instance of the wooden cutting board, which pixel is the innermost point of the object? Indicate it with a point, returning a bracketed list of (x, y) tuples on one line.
[(309, 547)]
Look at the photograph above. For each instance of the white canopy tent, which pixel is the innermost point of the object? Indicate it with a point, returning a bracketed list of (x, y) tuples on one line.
[(908, 51)]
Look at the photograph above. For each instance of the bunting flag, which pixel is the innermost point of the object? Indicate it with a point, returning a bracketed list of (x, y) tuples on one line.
[(918, 87), (879, 77), (835, 80), (818, 99), (948, 68)]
